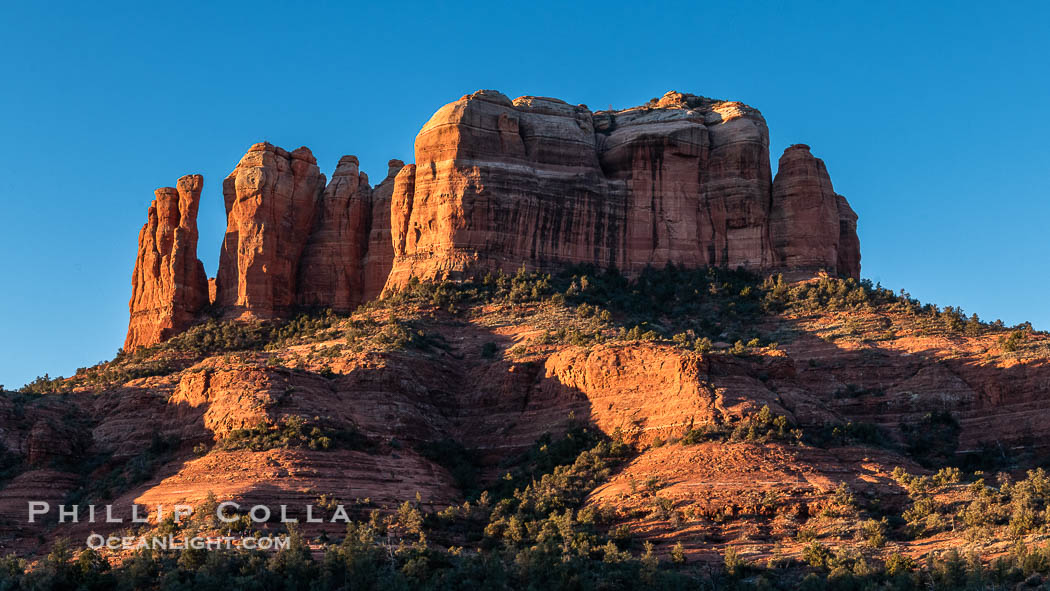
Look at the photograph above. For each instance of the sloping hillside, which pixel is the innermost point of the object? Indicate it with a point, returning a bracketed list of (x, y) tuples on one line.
[(688, 424)]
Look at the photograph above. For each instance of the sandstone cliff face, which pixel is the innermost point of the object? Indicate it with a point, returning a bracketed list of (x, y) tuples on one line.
[(497, 184), (168, 285), (697, 178), (290, 242), (883, 366), (401, 209), (540, 183), (271, 199)]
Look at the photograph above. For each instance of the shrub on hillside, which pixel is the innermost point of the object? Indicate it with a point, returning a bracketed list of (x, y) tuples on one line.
[(292, 432)]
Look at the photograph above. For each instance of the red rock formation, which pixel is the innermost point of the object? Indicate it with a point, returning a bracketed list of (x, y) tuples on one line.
[(646, 392), (380, 255), (540, 183), (697, 178), (288, 243), (806, 219), (271, 200), (401, 210), (849, 243), (168, 285), (331, 268), (812, 226), (499, 184)]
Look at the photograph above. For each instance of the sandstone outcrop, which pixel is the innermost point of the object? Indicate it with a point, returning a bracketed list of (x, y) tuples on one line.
[(272, 197), (697, 178), (884, 369), (813, 226), (331, 268), (497, 185), (380, 256), (541, 183), (168, 284), (849, 243), (292, 241), (349, 254), (435, 406)]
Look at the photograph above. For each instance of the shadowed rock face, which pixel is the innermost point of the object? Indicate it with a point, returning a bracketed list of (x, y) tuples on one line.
[(349, 254), (331, 267), (497, 185), (380, 256), (168, 285), (849, 242), (697, 179), (540, 183), (498, 407)]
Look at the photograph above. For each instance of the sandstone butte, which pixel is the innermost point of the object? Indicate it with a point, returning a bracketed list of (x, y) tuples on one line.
[(497, 185)]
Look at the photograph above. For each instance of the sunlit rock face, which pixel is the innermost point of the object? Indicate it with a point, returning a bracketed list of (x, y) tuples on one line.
[(349, 253), (498, 184), (331, 268), (293, 242), (168, 284), (813, 227), (272, 197), (380, 255), (536, 182)]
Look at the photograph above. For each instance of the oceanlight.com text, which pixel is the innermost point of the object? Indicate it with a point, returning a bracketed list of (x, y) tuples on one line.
[(98, 542)]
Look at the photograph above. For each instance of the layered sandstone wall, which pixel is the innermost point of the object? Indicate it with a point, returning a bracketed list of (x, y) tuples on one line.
[(291, 242), (497, 184), (697, 178)]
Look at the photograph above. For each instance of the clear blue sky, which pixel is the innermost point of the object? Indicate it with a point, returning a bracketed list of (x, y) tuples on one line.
[(933, 121)]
